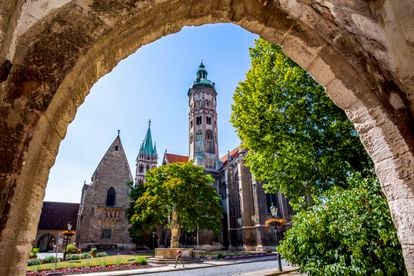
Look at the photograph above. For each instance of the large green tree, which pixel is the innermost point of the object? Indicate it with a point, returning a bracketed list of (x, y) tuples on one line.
[(348, 232), (299, 142), (180, 196)]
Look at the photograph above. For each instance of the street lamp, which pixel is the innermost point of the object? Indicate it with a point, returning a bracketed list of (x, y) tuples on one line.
[(67, 233), (273, 210)]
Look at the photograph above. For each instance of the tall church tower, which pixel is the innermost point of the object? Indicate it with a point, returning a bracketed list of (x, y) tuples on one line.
[(147, 157), (203, 143)]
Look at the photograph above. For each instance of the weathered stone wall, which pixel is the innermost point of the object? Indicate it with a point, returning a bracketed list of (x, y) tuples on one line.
[(95, 215), (361, 51)]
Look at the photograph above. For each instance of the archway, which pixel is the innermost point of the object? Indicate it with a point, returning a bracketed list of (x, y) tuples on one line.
[(58, 50), (46, 242)]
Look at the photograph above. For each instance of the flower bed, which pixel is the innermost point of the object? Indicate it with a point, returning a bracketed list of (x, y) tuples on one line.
[(89, 269)]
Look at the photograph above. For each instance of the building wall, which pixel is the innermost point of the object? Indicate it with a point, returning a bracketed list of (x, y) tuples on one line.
[(100, 224), (247, 208)]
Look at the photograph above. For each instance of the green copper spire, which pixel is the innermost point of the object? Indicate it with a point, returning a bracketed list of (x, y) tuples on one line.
[(147, 148)]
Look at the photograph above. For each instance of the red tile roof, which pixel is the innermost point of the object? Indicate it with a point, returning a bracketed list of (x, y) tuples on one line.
[(174, 158), (233, 153), (57, 215)]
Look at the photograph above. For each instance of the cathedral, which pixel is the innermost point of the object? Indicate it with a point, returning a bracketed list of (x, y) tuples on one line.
[(101, 219)]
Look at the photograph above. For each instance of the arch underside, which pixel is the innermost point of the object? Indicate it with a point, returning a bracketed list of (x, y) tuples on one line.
[(58, 58)]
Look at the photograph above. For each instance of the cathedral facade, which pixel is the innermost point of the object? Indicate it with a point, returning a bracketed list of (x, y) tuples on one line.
[(102, 213)]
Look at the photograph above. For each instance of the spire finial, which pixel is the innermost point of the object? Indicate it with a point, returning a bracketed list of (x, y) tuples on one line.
[(119, 131), (149, 123)]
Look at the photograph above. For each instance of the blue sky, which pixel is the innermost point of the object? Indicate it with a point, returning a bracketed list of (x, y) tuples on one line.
[(151, 84)]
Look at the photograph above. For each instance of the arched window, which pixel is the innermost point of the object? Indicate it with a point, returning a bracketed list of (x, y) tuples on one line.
[(110, 197), (141, 168), (209, 141)]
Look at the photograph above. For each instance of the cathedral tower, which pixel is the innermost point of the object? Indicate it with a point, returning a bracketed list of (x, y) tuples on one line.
[(203, 143), (147, 157)]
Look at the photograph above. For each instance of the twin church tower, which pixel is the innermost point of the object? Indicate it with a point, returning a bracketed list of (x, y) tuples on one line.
[(202, 128)]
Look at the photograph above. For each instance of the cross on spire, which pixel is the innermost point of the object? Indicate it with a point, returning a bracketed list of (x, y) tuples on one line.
[(119, 131), (149, 122)]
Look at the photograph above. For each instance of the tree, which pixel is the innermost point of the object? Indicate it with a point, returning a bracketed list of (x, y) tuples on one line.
[(348, 232), (138, 230), (180, 196), (299, 142)]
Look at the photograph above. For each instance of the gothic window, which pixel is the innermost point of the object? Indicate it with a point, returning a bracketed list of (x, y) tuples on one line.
[(222, 190), (147, 168), (209, 141), (198, 120), (208, 120), (191, 123), (110, 197), (237, 205), (106, 234), (141, 168)]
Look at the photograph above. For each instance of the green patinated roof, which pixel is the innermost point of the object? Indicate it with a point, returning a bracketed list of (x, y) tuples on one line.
[(202, 77), (147, 148)]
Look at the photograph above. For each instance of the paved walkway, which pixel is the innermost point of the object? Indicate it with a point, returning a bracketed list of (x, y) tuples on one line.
[(192, 266)]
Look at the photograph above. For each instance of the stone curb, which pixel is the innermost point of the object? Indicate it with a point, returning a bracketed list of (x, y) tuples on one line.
[(154, 270)]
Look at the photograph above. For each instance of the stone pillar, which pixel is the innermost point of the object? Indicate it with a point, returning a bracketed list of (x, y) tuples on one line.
[(247, 206), (175, 231), (263, 236)]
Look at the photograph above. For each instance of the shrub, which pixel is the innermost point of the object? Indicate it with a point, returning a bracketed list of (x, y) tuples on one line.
[(33, 254), (85, 255), (49, 259), (220, 256), (72, 257), (350, 232), (93, 251), (101, 254), (71, 248), (141, 260), (33, 262)]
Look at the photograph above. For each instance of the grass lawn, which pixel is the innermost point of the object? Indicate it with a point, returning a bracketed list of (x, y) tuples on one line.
[(101, 261)]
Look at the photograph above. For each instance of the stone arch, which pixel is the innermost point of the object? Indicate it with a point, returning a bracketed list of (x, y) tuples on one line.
[(46, 242), (352, 48)]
